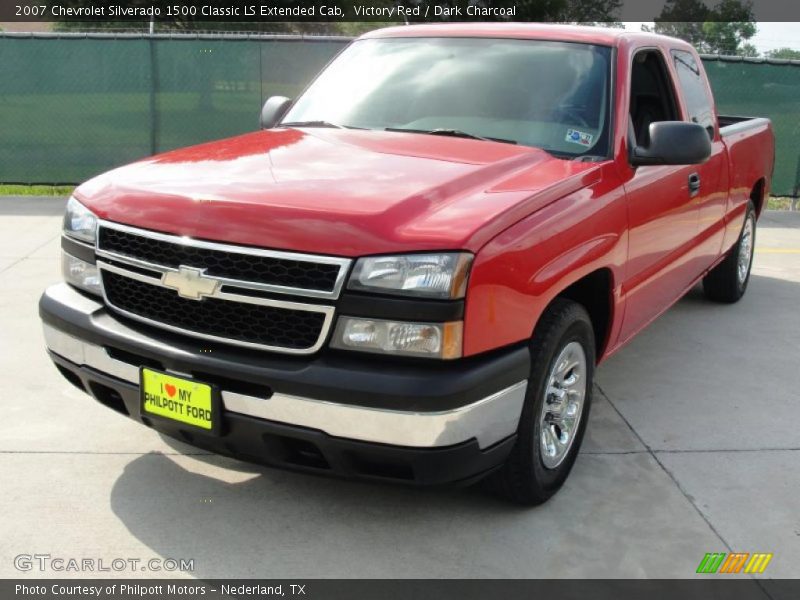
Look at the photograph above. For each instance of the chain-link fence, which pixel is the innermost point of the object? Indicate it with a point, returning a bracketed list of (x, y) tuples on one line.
[(73, 105)]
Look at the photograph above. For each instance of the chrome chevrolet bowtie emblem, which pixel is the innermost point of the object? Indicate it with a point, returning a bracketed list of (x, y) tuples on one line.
[(190, 283)]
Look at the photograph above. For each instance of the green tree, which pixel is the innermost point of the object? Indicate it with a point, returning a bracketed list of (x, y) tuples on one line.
[(682, 19), (723, 29), (784, 53), (594, 12), (748, 50)]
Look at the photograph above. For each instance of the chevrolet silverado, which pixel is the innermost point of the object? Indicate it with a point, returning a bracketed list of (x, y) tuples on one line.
[(411, 271)]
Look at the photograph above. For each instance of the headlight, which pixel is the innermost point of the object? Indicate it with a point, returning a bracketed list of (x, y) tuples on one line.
[(79, 222), (432, 340), (81, 274), (425, 275)]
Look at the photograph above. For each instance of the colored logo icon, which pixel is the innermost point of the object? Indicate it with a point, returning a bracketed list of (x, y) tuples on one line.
[(735, 562)]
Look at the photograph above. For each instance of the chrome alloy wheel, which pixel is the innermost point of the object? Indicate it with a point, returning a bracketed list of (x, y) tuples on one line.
[(745, 250), (563, 404)]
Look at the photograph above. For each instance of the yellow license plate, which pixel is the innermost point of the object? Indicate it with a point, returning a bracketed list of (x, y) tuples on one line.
[(179, 399)]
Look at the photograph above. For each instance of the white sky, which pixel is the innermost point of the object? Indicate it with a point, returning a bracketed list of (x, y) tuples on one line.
[(770, 35)]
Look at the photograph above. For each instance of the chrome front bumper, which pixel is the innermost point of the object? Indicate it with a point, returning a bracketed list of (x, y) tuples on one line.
[(488, 420)]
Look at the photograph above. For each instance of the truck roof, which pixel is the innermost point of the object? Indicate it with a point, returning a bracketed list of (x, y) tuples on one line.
[(606, 36)]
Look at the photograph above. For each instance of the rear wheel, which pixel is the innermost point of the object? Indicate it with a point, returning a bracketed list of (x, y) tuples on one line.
[(727, 282), (556, 406)]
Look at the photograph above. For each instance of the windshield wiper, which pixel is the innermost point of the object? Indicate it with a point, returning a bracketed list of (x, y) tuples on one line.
[(318, 124), (451, 133), (311, 124)]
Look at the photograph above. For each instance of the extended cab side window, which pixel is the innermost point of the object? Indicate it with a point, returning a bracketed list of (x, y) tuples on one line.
[(652, 95), (695, 91)]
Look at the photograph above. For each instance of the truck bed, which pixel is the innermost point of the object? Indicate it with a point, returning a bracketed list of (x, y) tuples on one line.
[(750, 143), (729, 124)]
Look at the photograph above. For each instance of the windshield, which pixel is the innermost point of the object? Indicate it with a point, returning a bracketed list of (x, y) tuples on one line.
[(552, 95)]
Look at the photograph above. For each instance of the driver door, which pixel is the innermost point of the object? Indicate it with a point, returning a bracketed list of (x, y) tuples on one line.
[(662, 212)]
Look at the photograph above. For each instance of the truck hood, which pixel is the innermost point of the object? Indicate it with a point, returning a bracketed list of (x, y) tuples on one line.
[(337, 191)]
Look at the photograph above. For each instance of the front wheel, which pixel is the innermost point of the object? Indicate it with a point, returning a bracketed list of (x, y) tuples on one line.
[(727, 282), (556, 406)]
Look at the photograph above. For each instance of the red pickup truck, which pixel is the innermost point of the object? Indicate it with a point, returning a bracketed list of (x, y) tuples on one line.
[(412, 271)]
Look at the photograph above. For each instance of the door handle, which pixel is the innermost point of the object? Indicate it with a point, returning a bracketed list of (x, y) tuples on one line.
[(694, 184)]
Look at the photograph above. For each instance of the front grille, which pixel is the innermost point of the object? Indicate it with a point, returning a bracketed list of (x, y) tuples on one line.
[(230, 321), (219, 291), (244, 265)]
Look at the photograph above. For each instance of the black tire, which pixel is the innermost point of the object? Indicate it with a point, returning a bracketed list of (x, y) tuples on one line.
[(524, 478), (724, 283)]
